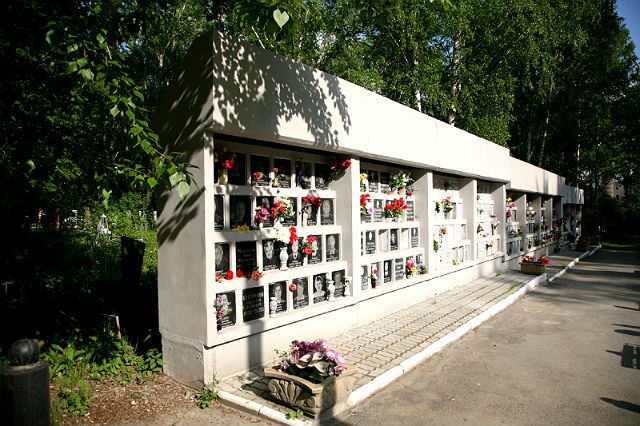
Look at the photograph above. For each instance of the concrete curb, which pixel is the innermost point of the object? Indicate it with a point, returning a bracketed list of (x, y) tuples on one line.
[(363, 392)]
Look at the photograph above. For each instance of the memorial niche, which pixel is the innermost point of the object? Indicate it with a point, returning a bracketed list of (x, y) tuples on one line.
[(321, 176), (338, 281), (301, 293), (240, 206), (259, 170), (393, 239), (229, 318), (218, 216), (319, 288), (277, 290), (294, 258), (237, 174), (385, 177), (333, 247), (270, 260), (364, 277), (387, 270), (399, 269), (291, 220), (372, 177), (415, 240), (370, 242), (222, 258), (246, 257), (252, 303), (410, 213), (283, 175), (378, 210), (326, 212), (316, 251), (303, 174)]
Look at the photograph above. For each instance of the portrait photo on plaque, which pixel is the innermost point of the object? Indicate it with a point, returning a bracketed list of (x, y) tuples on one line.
[(415, 239), (222, 258), (252, 303), (372, 177), (316, 251), (259, 170), (303, 174), (237, 174), (240, 206), (393, 239), (364, 277), (227, 298), (319, 288), (385, 177), (294, 258), (270, 259), (284, 172), (301, 293), (388, 267), (378, 210), (266, 202), (246, 257), (333, 247), (338, 281), (321, 175), (218, 215), (399, 268), (277, 290), (370, 242), (293, 219), (326, 212)]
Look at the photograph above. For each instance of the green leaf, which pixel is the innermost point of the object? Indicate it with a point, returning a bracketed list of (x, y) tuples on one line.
[(176, 178), (72, 67), (114, 111), (72, 48), (135, 130), (49, 36), (82, 62), (86, 74), (152, 182), (100, 38), (183, 189), (281, 17)]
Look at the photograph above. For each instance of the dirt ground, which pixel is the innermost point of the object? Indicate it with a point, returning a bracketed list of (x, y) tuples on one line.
[(158, 401)]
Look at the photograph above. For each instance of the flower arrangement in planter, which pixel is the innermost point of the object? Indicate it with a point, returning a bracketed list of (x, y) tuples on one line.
[(307, 245), (314, 361), (411, 268), (399, 181), (394, 209), (531, 265), (282, 209), (373, 276), (337, 168), (365, 205), (445, 205)]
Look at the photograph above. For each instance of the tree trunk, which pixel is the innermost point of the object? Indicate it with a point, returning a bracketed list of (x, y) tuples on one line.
[(456, 61)]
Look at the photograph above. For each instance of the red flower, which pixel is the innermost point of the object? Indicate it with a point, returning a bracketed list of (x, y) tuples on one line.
[(544, 260), (292, 287), (227, 164), (239, 273), (292, 235), (228, 275), (363, 199), (306, 250)]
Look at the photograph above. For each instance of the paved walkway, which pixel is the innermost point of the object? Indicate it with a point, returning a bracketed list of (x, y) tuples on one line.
[(404, 339)]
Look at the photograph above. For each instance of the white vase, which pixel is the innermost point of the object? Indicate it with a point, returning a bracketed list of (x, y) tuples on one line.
[(273, 306), (305, 216), (223, 177), (347, 286), (283, 259), (331, 288)]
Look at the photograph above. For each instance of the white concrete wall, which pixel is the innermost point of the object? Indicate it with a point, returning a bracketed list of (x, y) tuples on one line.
[(526, 177)]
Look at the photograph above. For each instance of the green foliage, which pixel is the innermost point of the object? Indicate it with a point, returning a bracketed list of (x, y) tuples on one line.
[(292, 415), (206, 397)]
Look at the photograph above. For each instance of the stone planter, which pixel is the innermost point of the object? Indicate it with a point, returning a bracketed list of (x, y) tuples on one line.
[(312, 398), (534, 268)]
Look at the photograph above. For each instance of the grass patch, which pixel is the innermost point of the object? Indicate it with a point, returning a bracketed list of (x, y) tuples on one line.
[(626, 242)]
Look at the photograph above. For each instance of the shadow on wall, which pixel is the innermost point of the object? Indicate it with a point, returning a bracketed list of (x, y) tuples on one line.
[(242, 89)]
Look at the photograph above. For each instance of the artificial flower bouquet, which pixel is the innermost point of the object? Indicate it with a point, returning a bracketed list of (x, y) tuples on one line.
[(531, 259), (306, 248), (337, 168), (400, 180), (282, 209), (395, 208), (313, 361), (365, 205), (222, 306)]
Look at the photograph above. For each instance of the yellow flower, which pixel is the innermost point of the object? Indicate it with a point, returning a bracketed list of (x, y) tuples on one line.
[(244, 228)]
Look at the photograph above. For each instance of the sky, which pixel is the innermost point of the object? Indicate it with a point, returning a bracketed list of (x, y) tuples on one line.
[(630, 11)]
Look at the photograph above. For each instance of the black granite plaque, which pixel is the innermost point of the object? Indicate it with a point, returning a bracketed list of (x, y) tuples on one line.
[(218, 216), (303, 175), (410, 213), (333, 247), (338, 281), (240, 206), (270, 260), (384, 181), (415, 240), (373, 180), (370, 242), (222, 258), (326, 212), (393, 239), (266, 202), (230, 318), (284, 172), (252, 303), (399, 269), (388, 268), (364, 277), (319, 288), (378, 210), (246, 258), (259, 170), (301, 293), (278, 291), (316, 251), (312, 217), (237, 174), (321, 176), (293, 251), (293, 219)]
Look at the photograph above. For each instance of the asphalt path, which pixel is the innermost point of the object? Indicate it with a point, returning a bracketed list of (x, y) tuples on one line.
[(566, 354)]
